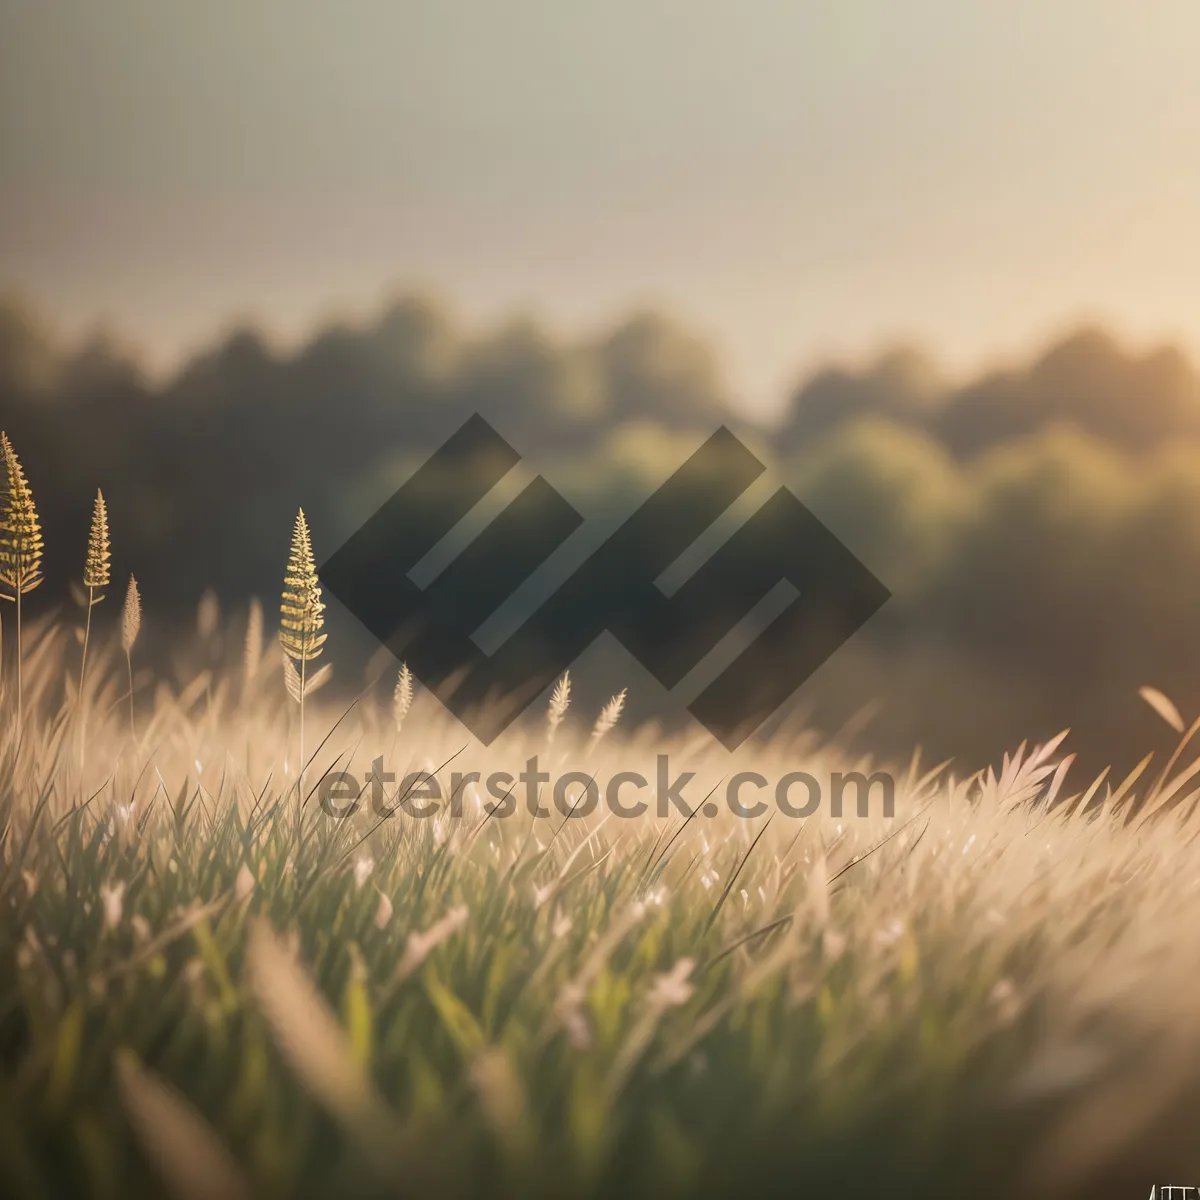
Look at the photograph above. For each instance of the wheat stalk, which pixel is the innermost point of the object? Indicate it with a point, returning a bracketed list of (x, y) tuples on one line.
[(20, 544), (131, 624), (300, 621)]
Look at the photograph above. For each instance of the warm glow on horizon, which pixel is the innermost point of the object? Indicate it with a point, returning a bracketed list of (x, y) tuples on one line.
[(791, 183)]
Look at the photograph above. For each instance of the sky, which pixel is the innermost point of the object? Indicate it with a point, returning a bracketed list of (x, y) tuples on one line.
[(793, 180)]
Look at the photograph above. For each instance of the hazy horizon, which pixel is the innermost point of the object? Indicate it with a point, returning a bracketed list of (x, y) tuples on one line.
[(950, 371)]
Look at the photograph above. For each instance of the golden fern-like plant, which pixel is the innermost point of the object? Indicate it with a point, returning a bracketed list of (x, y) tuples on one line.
[(96, 573), (20, 543), (300, 620)]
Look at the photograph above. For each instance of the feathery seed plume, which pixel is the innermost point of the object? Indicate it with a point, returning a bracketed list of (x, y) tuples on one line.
[(131, 624), (610, 714), (560, 701), (252, 658), (403, 695), (131, 616)]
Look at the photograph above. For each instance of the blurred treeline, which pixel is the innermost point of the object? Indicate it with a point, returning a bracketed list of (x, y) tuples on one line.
[(1038, 526)]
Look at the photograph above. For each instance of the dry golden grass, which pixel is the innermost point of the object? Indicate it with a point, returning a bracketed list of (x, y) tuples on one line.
[(209, 983)]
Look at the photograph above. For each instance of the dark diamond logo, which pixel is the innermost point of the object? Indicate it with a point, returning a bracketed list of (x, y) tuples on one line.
[(615, 589)]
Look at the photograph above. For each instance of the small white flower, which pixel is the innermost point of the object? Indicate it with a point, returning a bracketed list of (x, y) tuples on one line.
[(542, 894), (672, 988), (112, 897), (420, 945), (245, 883), (362, 870), (383, 911), (657, 898), (561, 926)]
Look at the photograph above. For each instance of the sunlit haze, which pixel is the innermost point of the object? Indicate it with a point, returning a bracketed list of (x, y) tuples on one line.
[(792, 180)]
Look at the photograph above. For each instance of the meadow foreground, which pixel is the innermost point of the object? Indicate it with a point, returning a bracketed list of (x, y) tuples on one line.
[(204, 992)]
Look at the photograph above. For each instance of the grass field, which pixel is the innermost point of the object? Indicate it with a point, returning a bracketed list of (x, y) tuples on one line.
[(210, 986), (204, 994)]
